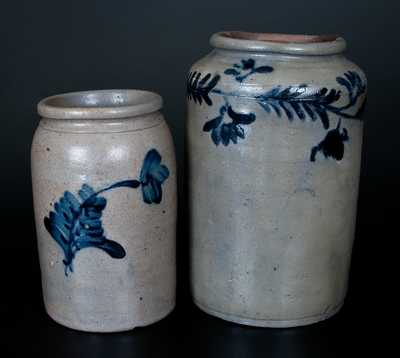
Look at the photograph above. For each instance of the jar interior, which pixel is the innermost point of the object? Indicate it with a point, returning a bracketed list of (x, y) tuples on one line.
[(97, 99), (101, 104)]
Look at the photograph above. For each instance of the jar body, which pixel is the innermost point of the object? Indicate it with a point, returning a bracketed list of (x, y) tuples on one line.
[(110, 264), (274, 160)]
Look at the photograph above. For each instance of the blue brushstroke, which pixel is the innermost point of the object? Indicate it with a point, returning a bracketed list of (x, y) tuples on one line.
[(297, 102), (246, 68), (333, 144), (225, 133), (76, 223), (292, 102), (152, 175), (198, 89)]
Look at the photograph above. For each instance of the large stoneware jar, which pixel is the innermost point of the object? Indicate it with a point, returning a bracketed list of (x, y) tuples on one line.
[(274, 148), (104, 186)]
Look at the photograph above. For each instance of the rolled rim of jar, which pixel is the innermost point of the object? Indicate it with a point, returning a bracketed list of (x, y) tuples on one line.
[(279, 43), (100, 104)]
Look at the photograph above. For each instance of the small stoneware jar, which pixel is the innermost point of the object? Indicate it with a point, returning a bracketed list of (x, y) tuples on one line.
[(274, 148), (104, 187)]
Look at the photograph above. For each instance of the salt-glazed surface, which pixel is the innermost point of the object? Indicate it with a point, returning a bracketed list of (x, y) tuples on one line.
[(104, 185), (274, 145)]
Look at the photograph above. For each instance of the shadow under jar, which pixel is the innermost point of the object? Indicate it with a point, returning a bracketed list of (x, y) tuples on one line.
[(104, 186), (274, 147)]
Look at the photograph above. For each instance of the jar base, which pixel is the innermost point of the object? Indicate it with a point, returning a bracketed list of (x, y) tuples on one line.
[(109, 329), (268, 323)]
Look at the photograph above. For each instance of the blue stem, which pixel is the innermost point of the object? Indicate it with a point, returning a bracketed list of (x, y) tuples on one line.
[(243, 77), (330, 108), (123, 183)]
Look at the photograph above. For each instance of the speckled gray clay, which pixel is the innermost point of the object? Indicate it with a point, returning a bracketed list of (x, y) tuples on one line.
[(107, 258), (274, 146)]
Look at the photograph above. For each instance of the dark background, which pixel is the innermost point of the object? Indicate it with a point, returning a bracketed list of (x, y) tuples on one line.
[(50, 47)]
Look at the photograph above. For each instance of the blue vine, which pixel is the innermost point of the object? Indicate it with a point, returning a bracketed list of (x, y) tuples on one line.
[(304, 103), (294, 102), (76, 223)]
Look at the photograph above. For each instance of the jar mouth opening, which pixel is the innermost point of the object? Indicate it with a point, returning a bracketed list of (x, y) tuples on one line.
[(324, 44), (100, 104)]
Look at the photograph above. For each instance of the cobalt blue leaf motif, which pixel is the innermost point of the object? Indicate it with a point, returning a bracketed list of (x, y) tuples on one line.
[(76, 223), (152, 175), (300, 102), (199, 89), (296, 102)]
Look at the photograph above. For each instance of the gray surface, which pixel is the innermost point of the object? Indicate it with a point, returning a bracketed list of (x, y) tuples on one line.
[(53, 47), (271, 232), (101, 294)]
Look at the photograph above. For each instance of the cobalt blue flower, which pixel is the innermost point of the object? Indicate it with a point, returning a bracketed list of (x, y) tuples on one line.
[(75, 223), (249, 67), (228, 132), (152, 175), (333, 144)]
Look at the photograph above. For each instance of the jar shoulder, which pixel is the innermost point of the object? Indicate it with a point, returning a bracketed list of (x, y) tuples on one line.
[(259, 71), (84, 150)]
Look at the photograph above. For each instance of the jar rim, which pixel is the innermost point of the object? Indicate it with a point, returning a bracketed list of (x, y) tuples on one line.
[(100, 104), (325, 44)]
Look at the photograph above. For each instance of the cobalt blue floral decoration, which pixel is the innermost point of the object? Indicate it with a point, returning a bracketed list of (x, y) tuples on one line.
[(332, 145), (152, 175), (292, 102), (273, 172), (76, 223), (199, 89), (245, 69), (228, 132)]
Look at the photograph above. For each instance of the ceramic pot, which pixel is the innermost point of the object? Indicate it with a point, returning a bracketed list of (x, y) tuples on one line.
[(104, 187), (274, 148)]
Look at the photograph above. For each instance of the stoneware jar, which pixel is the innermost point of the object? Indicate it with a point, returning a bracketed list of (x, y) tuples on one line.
[(274, 141), (104, 186)]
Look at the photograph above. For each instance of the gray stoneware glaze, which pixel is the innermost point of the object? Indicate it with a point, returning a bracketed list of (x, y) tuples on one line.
[(104, 186), (274, 141)]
